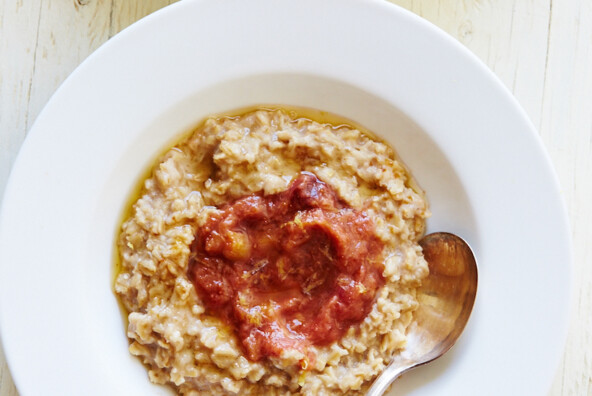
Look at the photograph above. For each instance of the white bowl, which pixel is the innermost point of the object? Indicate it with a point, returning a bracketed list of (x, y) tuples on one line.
[(463, 136)]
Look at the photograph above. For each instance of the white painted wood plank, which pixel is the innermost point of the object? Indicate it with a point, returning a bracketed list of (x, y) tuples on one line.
[(566, 129), (19, 21), (17, 60)]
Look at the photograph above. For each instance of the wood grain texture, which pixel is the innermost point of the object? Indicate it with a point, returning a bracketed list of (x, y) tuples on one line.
[(540, 49), (566, 128)]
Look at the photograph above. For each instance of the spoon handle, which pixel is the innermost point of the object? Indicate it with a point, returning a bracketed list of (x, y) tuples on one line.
[(391, 373)]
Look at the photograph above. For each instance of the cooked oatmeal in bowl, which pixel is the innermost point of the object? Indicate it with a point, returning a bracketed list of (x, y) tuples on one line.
[(268, 253)]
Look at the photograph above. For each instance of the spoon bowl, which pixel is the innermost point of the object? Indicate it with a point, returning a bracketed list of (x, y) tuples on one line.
[(446, 299)]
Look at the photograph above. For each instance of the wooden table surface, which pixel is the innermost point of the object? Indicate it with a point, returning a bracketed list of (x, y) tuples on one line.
[(540, 49)]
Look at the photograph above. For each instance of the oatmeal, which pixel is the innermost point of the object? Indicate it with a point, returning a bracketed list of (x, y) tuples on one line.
[(270, 254)]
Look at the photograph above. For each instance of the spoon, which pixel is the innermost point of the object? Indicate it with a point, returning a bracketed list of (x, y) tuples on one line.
[(445, 299)]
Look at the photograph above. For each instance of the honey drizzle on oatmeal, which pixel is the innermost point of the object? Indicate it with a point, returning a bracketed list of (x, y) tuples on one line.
[(126, 213), (335, 121)]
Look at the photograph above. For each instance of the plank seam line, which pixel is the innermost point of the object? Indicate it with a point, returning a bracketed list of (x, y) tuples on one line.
[(546, 64), (30, 88)]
